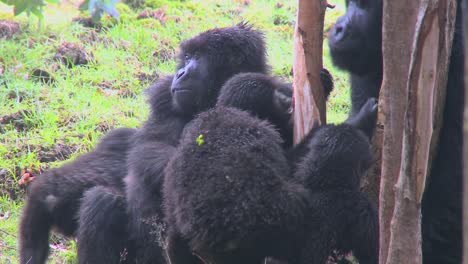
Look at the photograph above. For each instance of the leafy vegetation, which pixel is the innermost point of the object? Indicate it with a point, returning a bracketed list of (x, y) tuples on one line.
[(66, 84), (96, 7)]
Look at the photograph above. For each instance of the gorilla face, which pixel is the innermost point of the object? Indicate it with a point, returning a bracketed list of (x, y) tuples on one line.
[(209, 59), (355, 40), (191, 83)]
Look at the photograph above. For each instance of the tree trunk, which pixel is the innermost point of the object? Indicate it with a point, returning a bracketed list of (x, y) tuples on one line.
[(465, 139), (309, 99), (413, 93)]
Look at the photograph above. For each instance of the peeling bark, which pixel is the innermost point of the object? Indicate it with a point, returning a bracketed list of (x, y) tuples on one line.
[(309, 99), (412, 116)]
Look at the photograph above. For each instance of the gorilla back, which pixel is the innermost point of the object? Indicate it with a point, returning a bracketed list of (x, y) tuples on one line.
[(226, 188), (54, 197), (231, 197)]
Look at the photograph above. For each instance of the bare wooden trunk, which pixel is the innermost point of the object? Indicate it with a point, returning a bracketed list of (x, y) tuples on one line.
[(309, 99), (417, 37)]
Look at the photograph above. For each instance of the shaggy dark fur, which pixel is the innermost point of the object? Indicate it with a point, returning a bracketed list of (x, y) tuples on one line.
[(230, 196), (54, 197), (355, 45), (268, 98)]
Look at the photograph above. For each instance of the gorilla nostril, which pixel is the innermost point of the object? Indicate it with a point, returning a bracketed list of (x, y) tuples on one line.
[(180, 74), (338, 29)]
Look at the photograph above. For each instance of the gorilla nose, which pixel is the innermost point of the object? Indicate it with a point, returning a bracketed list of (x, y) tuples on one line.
[(180, 73), (339, 32), (339, 29)]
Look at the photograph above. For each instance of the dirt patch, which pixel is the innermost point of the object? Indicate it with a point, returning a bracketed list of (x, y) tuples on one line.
[(104, 127), (87, 22), (72, 54), (123, 90), (57, 152), (42, 76), (91, 35), (18, 96), (164, 54), (159, 14), (18, 120), (147, 77), (8, 186), (9, 28)]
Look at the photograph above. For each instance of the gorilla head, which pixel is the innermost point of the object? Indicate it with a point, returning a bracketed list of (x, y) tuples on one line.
[(207, 60), (356, 39)]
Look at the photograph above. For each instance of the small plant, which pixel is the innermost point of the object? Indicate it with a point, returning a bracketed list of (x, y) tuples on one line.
[(97, 7), (29, 6), (200, 141)]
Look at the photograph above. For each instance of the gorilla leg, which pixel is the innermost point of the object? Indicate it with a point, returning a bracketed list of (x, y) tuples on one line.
[(34, 233), (102, 232), (361, 232), (54, 197)]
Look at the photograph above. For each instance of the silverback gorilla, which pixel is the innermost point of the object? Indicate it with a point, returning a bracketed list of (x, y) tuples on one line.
[(232, 196), (355, 45)]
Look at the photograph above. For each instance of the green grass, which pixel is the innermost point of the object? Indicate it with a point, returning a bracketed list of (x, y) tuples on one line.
[(66, 118)]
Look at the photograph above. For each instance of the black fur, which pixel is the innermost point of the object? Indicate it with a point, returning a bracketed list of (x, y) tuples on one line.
[(268, 98), (206, 61), (102, 218), (355, 45), (232, 196), (54, 197), (442, 199)]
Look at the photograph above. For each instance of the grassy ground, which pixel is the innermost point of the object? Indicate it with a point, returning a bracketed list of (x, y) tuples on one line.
[(44, 122)]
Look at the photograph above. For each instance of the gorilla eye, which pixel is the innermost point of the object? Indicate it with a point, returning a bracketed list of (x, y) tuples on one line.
[(187, 57)]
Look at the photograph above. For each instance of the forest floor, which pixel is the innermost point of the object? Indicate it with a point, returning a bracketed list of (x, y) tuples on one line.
[(51, 111)]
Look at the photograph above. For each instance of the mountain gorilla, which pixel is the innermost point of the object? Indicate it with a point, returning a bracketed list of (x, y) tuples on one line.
[(231, 195), (206, 61), (268, 98), (355, 45), (97, 177), (54, 197)]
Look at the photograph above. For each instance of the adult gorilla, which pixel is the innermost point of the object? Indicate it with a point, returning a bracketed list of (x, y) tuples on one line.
[(355, 45), (206, 61)]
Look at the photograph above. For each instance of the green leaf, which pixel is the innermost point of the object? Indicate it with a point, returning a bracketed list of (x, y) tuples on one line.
[(53, 1), (37, 12), (83, 6), (200, 141), (20, 7)]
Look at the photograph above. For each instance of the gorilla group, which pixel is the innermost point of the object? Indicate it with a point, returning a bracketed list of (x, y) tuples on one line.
[(356, 46), (111, 198), (257, 203)]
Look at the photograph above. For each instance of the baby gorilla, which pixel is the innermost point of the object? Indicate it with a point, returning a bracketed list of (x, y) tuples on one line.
[(232, 196), (266, 97)]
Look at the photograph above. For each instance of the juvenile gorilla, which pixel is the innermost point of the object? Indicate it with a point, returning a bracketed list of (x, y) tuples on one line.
[(356, 46), (266, 97), (231, 195), (54, 197)]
